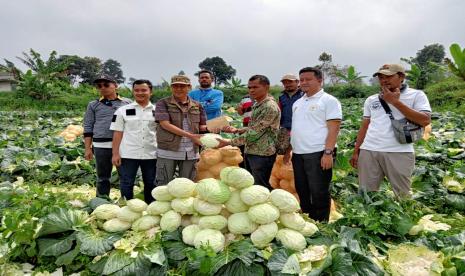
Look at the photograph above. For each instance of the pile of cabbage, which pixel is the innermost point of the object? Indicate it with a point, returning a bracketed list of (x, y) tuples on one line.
[(132, 216), (213, 211)]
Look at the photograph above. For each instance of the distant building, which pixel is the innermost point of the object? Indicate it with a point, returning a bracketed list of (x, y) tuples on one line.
[(7, 82)]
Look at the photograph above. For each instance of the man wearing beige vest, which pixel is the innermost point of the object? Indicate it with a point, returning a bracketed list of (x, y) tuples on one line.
[(180, 120)]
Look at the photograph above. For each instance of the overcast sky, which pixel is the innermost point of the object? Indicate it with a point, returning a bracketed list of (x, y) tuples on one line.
[(156, 39)]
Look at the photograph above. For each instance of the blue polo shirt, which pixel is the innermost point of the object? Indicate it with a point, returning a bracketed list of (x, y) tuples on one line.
[(210, 99), (285, 103)]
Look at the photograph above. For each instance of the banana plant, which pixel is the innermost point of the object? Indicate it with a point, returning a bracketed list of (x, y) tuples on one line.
[(236, 83), (351, 77), (414, 76), (458, 66)]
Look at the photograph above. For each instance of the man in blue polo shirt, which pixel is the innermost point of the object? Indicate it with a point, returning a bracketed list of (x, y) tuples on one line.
[(210, 99)]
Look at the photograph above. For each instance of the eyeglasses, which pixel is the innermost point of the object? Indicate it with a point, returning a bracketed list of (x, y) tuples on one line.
[(102, 84)]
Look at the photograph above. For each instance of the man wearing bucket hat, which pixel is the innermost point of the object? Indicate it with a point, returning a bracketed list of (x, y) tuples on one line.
[(378, 153), (97, 133), (180, 120)]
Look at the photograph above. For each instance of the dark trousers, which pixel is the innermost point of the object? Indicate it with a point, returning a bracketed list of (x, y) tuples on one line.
[(103, 167), (128, 171), (312, 185), (260, 167), (242, 164)]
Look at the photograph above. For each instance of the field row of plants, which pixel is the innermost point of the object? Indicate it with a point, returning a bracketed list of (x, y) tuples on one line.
[(48, 224)]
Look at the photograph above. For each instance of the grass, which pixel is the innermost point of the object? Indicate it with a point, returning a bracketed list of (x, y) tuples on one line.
[(10, 101), (447, 95)]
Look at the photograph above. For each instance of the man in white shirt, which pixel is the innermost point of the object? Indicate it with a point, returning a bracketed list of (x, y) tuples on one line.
[(377, 152), (316, 118), (134, 142)]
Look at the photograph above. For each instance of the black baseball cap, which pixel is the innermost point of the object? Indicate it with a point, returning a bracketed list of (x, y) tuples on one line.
[(104, 77)]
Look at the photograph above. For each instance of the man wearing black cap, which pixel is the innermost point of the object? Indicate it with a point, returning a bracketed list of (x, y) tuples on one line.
[(97, 133)]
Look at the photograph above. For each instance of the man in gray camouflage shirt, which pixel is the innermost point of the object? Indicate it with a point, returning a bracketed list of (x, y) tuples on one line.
[(97, 133)]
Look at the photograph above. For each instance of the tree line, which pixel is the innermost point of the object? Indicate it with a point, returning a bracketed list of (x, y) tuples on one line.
[(45, 77)]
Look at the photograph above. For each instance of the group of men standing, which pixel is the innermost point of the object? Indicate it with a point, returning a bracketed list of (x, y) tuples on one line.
[(166, 135)]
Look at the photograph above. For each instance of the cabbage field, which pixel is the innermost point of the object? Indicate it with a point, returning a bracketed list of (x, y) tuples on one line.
[(52, 222)]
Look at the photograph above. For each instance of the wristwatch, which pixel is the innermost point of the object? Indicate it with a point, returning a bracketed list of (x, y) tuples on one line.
[(328, 151)]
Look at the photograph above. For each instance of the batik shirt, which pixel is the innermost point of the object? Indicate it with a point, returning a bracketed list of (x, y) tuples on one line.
[(261, 135)]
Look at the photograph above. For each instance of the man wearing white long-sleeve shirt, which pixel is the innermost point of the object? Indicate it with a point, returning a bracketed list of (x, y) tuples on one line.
[(134, 141)]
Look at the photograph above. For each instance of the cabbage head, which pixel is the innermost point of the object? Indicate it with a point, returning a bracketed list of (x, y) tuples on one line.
[(235, 203), (236, 177), (145, 223), (116, 225), (189, 232), (209, 140), (126, 214), (184, 206), (240, 223), (426, 224), (453, 185), (263, 213), (213, 191), (410, 259), (106, 211), (209, 237), (206, 208), (309, 229), (292, 221), (136, 205), (170, 221), (217, 222), (181, 187), (158, 207), (285, 201), (291, 239), (161, 193), (313, 253), (264, 234), (255, 194)]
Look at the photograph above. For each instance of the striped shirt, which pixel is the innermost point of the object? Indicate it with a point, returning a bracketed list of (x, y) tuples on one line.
[(97, 120), (186, 148)]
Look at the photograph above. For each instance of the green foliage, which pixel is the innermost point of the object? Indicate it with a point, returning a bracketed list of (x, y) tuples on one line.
[(351, 76), (378, 213), (430, 53), (10, 67), (41, 87), (447, 95), (235, 83), (458, 66), (345, 91), (221, 71), (112, 68), (85, 70), (45, 79), (427, 66), (414, 76), (51, 68)]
